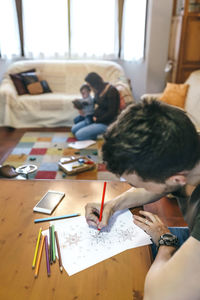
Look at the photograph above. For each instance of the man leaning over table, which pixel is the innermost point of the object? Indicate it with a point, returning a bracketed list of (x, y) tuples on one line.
[(156, 149)]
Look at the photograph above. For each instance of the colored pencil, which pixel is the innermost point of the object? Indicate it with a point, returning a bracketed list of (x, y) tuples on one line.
[(50, 245), (102, 202), (59, 253), (55, 218), (39, 257), (47, 255), (53, 244), (36, 248)]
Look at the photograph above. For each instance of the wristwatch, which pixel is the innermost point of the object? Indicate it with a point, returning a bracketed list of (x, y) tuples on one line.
[(168, 239)]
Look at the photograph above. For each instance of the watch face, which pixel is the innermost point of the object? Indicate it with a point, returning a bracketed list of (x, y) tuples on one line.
[(168, 236), (168, 239)]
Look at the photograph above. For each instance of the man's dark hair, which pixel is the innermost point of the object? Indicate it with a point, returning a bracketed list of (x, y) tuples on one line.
[(96, 81), (85, 86), (153, 139)]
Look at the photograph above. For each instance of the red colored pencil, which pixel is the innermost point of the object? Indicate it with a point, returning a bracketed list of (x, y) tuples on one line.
[(102, 202)]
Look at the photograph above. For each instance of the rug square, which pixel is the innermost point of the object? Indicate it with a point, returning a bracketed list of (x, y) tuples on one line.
[(44, 139), (38, 151), (45, 175), (71, 139), (42, 145), (35, 159), (55, 151), (16, 158), (59, 139), (48, 166), (21, 151), (28, 139), (59, 145), (25, 145), (51, 158)]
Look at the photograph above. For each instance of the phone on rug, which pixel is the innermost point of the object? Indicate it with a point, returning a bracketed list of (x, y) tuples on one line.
[(49, 202)]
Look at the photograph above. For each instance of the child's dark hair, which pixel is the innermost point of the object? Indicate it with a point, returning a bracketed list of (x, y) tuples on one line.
[(85, 86)]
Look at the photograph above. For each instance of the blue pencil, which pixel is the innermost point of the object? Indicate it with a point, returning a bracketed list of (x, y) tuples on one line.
[(55, 218)]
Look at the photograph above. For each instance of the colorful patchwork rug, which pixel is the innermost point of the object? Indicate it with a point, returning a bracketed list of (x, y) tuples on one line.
[(44, 149)]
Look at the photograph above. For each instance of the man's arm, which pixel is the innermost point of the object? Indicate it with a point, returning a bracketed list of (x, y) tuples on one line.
[(132, 198), (175, 275)]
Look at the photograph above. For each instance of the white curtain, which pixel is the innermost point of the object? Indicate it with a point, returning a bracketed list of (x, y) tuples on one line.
[(133, 30), (94, 28), (9, 32), (45, 28)]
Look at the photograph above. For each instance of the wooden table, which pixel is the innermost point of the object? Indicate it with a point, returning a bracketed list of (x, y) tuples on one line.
[(119, 277)]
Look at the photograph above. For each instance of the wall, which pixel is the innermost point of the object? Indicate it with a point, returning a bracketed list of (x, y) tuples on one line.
[(149, 75), (3, 67)]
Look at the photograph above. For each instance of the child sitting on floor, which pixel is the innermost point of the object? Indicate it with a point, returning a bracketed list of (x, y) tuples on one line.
[(85, 106)]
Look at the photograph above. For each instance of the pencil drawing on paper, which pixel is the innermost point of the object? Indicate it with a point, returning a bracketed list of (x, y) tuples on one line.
[(109, 235), (83, 246)]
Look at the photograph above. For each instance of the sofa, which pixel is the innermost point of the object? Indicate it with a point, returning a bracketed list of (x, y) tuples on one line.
[(64, 77), (192, 101)]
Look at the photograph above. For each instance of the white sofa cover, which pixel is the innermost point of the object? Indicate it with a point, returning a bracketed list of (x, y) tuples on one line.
[(64, 78), (192, 103)]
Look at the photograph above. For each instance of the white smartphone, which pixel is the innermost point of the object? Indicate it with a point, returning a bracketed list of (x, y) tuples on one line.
[(49, 202)]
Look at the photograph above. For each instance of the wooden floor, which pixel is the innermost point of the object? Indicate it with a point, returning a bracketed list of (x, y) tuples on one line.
[(167, 209)]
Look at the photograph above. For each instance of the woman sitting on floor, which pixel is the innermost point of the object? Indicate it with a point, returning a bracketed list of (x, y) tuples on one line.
[(107, 102)]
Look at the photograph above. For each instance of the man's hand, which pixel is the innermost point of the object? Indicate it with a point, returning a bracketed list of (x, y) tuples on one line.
[(94, 119), (92, 212), (151, 224)]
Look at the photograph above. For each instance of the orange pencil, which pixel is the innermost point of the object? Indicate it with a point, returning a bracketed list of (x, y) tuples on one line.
[(102, 202), (39, 257)]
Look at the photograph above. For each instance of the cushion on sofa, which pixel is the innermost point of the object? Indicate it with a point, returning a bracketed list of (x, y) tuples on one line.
[(125, 94), (38, 87), (175, 94), (18, 81), (29, 77)]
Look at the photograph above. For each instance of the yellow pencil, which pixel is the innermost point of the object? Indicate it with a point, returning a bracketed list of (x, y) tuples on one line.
[(36, 248), (39, 257)]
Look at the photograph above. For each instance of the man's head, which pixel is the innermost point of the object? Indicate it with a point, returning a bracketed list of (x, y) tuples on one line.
[(85, 90), (152, 140)]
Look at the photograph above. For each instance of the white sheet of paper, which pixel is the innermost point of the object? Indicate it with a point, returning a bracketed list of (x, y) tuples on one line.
[(81, 144), (82, 246)]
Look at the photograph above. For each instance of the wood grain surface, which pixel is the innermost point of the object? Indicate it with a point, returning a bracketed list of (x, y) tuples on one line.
[(119, 277)]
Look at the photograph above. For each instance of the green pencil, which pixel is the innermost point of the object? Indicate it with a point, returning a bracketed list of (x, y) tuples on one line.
[(50, 244), (53, 244)]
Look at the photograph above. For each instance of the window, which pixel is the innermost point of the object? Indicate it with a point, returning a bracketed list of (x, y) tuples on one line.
[(133, 29), (73, 28), (94, 28), (9, 34), (45, 28)]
